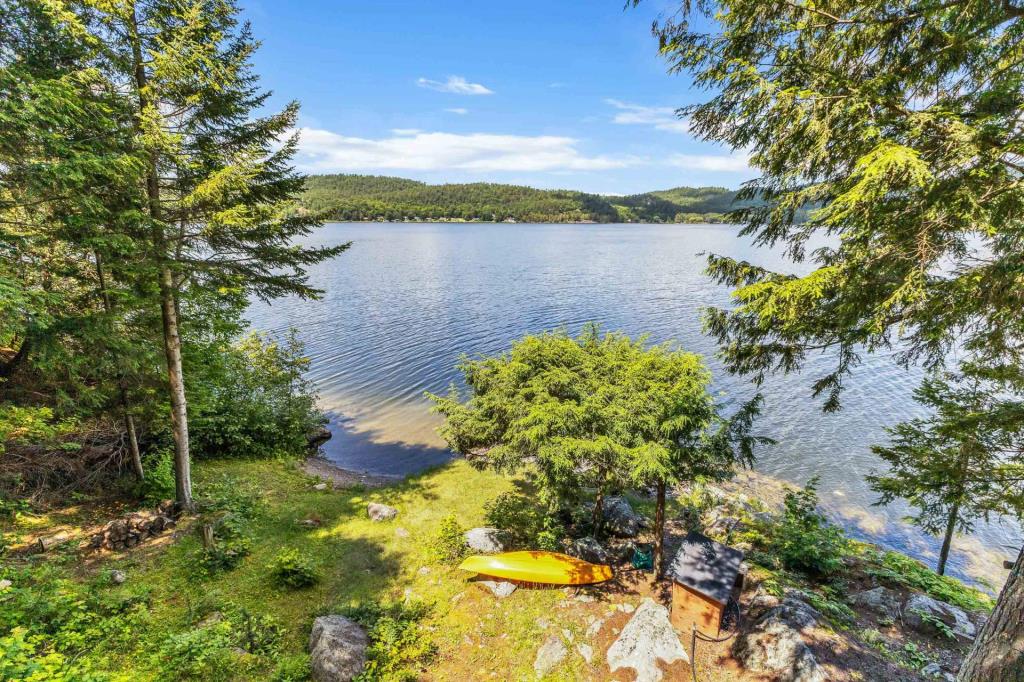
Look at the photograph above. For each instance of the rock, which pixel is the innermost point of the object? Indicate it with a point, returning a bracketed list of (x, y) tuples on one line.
[(588, 549), (880, 600), (320, 486), (486, 540), (549, 656), (775, 643), (381, 512), (318, 437), (626, 607), (310, 523), (424, 570), (499, 588), (764, 518), (620, 519), (647, 638), (5, 583), (337, 649), (933, 669), (586, 652), (118, 577), (760, 603), (921, 608), (594, 626), (401, 532), (45, 544)]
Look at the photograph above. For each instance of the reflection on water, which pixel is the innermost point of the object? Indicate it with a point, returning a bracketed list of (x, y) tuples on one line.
[(408, 299)]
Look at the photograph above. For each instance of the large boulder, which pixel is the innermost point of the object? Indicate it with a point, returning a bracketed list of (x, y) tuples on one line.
[(921, 612), (337, 649), (620, 519), (647, 638), (380, 512), (486, 540), (775, 644), (499, 588), (588, 549), (551, 653), (880, 600)]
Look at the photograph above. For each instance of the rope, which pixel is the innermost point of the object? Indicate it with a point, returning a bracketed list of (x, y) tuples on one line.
[(732, 606)]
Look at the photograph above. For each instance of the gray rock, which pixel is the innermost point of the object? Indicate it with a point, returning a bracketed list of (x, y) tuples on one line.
[(318, 437), (499, 588), (549, 656), (921, 608), (401, 532), (380, 512), (880, 600), (5, 583), (586, 652), (486, 540), (118, 577), (775, 643), (320, 486), (337, 649), (620, 519), (647, 638), (933, 669), (588, 549)]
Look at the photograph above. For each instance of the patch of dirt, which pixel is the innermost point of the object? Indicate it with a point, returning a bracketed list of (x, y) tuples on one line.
[(343, 478)]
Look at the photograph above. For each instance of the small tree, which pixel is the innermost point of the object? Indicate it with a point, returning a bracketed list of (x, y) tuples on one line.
[(964, 462), (599, 411)]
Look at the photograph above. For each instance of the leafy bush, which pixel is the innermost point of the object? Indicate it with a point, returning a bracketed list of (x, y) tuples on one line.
[(291, 569), (159, 481), (251, 400), (230, 506), (31, 425), (292, 669), (231, 544), (22, 658), (258, 634), (804, 540), (523, 521), (449, 542), (198, 654), (902, 570), (398, 645)]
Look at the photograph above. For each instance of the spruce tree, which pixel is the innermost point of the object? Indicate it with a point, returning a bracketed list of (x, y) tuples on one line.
[(965, 461)]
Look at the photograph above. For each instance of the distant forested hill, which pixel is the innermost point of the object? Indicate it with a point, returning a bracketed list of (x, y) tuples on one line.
[(372, 197)]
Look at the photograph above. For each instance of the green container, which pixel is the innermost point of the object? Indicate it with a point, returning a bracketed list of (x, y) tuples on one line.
[(643, 559)]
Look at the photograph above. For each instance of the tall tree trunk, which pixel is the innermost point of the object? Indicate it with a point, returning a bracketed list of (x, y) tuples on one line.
[(947, 540), (129, 420), (597, 516), (998, 652), (168, 303), (176, 381), (659, 533)]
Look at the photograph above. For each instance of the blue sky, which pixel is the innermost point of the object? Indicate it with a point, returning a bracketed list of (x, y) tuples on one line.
[(568, 94)]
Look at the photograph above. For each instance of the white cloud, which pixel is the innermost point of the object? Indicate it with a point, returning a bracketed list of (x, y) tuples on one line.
[(456, 85), (461, 111), (404, 132), (326, 151), (661, 118), (734, 163)]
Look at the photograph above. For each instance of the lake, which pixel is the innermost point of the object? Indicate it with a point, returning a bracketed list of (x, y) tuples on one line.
[(408, 298)]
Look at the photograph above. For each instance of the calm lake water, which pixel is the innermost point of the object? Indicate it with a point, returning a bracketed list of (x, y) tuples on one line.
[(407, 299)]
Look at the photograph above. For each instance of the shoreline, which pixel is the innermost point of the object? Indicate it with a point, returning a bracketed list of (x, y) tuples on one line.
[(321, 467)]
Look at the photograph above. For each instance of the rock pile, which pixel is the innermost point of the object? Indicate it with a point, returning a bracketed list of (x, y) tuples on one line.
[(132, 529)]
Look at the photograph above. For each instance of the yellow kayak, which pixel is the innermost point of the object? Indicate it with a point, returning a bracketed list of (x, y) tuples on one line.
[(549, 568)]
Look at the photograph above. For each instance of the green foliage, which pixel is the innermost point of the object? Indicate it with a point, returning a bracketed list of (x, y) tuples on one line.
[(600, 411), (398, 644), (293, 668), (899, 569), (22, 660), (369, 197), (293, 570), (159, 481), (448, 544), (198, 654), (829, 603), (965, 461), (251, 399), (803, 539), (230, 507), (31, 425), (523, 522)]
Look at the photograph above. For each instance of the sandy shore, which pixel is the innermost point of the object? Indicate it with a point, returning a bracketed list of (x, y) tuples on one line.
[(343, 478)]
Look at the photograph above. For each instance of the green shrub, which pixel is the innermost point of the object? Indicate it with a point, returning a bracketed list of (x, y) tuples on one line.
[(398, 645), (292, 669), (448, 545), (803, 539), (524, 522), (198, 654), (22, 658), (291, 569), (251, 399), (258, 634), (231, 544), (159, 481), (903, 570)]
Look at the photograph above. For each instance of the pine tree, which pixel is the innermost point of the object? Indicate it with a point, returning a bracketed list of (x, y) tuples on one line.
[(965, 461)]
